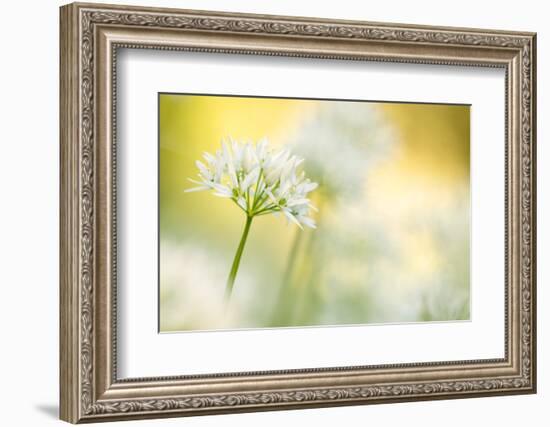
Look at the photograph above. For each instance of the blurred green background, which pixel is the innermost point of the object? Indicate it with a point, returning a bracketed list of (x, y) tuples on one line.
[(393, 236)]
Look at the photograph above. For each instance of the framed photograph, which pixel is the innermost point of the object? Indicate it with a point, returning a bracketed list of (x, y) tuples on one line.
[(265, 212)]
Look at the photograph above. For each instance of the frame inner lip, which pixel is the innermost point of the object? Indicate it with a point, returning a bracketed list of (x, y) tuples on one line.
[(331, 371)]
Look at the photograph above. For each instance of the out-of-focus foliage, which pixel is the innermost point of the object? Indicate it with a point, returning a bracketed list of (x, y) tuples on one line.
[(392, 243)]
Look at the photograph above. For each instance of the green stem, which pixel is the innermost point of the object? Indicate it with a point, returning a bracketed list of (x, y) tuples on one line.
[(283, 310), (237, 260), (268, 209), (256, 197)]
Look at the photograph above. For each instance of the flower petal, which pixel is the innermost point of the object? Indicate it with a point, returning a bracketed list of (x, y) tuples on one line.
[(190, 190), (203, 169), (222, 189), (291, 217), (296, 202), (307, 221), (250, 179), (224, 195)]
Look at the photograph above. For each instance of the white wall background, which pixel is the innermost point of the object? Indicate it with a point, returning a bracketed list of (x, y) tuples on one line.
[(29, 170)]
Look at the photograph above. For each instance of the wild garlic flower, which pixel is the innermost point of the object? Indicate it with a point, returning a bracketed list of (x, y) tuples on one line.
[(260, 181), (354, 134)]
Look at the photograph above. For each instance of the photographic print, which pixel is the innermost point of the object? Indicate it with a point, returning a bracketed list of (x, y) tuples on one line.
[(279, 212), (347, 209)]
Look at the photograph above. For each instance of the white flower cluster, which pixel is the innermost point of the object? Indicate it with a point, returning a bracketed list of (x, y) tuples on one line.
[(354, 134), (259, 180)]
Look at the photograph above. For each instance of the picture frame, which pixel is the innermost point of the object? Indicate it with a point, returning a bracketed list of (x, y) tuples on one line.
[(91, 37)]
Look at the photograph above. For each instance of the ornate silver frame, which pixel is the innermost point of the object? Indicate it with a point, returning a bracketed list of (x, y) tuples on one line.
[(90, 36)]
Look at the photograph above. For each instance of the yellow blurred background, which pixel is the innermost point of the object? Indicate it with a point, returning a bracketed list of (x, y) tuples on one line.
[(392, 243)]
